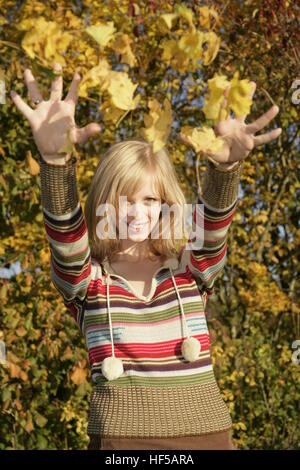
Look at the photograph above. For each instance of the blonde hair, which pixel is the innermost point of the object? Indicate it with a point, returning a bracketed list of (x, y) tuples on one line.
[(120, 172)]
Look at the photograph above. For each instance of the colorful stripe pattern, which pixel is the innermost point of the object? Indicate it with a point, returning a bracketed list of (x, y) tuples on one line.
[(147, 334)]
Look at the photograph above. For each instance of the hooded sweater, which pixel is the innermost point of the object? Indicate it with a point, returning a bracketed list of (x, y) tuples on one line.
[(159, 393)]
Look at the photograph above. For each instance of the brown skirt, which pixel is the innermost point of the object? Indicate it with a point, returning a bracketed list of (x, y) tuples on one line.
[(213, 441)]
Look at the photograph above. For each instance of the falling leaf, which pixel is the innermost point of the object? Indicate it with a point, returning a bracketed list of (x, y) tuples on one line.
[(102, 32), (185, 13), (175, 56), (169, 18), (205, 16), (213, 45), (34, 167), (238, 97), (121, 90), (191, 45), (202, 140), (94, 77), (110, 112), (215, 96), (68, 147), (47, 40), (122, 45), (158, 124)]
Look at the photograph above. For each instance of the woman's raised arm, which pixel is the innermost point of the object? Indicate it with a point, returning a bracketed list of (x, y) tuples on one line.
[(63, 216)]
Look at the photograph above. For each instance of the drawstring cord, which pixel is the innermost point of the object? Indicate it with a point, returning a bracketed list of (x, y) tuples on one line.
[(109, 317), (112, 367), (180, 304)]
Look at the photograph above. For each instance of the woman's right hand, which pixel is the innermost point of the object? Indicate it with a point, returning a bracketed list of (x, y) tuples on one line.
[(52, 120)]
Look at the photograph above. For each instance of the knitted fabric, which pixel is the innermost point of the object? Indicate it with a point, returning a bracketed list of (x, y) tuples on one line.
[(160, 394)]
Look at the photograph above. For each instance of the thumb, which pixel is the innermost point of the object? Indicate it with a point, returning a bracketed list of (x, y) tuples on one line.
[(82, 135)]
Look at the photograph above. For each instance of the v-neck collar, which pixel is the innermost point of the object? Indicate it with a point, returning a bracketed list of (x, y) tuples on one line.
[(171, 262)]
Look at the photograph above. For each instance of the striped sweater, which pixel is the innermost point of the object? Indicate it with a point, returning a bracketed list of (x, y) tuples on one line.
[(160, 394)]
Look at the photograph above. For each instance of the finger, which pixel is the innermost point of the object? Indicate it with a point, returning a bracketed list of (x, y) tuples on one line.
[(80, 136), (184, 139), (224, 114), (32, 87), (265, 138), (21, 105), (72, 96), (57, 84), (251, 94), (262, 121), (224, 104)]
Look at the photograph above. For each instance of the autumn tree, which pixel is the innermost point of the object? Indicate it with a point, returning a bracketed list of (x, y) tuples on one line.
[(151, 67)]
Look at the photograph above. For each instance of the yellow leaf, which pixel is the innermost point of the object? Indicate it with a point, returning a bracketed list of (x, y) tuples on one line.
[(102, 32), (203, 140), (215, 96), (79, 375), (68, 147), (205, 16), (94, 77), (45, 39), (158, 124), (175, 56), (34, 167), (3, 20), (168, 18), (44, 256), (213, 45), (121, 90), (238, 97), (110, 112), (191, 45), (122, 45), (185, 13)]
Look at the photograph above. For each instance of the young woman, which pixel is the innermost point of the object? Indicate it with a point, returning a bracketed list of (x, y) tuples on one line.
[(139, 300)]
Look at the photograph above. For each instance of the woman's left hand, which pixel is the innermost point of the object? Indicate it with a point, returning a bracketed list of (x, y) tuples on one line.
[(239, 137)]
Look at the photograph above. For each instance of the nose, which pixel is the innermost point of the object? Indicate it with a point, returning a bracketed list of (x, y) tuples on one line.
[(137, 211)]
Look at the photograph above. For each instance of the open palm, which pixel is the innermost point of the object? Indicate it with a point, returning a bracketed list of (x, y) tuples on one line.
[(239, 138), (53, 120)]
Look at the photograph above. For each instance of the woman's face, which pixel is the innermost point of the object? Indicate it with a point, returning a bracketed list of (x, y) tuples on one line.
[(139, 213)]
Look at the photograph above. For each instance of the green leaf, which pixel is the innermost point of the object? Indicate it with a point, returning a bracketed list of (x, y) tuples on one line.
[(40, 420)]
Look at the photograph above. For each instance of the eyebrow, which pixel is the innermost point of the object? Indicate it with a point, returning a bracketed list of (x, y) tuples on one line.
[(150, 195)]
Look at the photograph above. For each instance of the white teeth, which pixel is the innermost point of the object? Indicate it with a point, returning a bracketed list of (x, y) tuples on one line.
[(138, 225)]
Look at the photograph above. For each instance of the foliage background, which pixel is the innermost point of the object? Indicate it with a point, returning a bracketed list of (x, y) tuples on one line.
[(253, 317)]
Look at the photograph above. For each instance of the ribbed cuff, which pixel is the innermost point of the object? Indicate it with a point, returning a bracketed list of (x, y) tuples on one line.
[(220, 188), (59, 186)]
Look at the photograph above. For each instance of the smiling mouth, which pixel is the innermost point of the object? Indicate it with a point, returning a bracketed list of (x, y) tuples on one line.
[(137, 227)]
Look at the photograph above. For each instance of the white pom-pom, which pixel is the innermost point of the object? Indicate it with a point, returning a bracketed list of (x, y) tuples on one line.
[(112, 368), (190, 349)]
